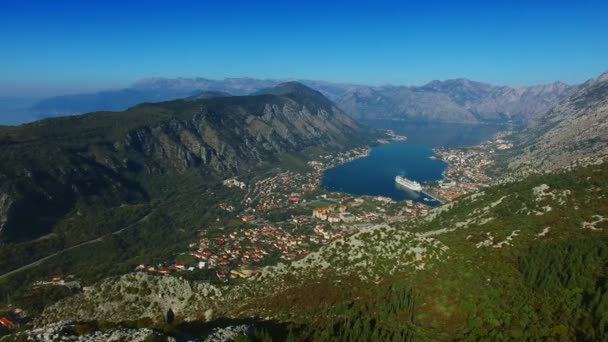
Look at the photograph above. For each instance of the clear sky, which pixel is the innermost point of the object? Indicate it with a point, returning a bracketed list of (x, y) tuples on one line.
[(49, 47)]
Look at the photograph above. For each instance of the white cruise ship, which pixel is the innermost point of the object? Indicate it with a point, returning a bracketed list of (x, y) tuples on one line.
[(414, 186)]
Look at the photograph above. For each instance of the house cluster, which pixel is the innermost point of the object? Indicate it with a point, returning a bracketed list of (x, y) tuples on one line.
[(330, 160), (503, 144), (247, 247), (334, 213), (57, 280), (283, 188), (226, 206), (394, 136), (247, 218), (324, 234), (164, 269), (14, 319), (278, 190), (234, 183), (410, 210), (5, 322), (467, 170)]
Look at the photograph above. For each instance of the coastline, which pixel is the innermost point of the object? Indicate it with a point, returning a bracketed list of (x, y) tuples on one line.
[(466, 171)]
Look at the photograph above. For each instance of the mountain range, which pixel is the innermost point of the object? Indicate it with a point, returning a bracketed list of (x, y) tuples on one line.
[(524, 259), (575, 129), (456, 101), (107, 157), (520, 260)]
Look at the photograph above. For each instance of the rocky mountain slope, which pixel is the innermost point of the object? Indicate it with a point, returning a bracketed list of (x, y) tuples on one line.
[(575, 129), (108, 158), (459, 100)]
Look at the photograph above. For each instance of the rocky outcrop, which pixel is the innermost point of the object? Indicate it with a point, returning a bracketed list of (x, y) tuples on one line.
[(75, 332), (5, 205), (137, 296)]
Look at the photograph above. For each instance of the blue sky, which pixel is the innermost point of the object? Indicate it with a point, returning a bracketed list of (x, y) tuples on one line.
[(49, 47)]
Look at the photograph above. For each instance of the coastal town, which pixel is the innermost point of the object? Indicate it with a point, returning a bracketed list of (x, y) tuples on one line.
[(467, 168), (287, 214)]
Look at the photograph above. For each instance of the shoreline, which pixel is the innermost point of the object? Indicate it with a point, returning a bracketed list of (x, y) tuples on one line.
[(466, 171)]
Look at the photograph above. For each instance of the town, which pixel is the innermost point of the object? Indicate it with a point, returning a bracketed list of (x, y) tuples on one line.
[(286, 215), (283, 216), (467, 170)]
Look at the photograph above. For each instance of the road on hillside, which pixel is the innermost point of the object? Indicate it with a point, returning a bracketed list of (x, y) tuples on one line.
[(99, 239)]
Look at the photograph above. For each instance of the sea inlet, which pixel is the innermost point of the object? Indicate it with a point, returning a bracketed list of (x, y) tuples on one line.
[(375, 174)]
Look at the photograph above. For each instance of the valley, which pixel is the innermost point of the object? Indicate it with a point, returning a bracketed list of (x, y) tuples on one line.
[(317, 171), (217, 230)]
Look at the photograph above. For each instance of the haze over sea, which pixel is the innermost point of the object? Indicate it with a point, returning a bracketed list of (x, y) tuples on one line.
[(375, 175)]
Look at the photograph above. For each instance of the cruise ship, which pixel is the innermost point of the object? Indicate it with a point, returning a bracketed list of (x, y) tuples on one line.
[(411, 185)]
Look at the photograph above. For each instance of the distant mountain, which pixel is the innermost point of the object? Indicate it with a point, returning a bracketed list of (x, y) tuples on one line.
[(575, 129), (108, 158), (459, 100), (148, 90), (235, 86), (111, 100)]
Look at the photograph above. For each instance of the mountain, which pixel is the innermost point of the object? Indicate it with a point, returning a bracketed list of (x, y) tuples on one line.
[(147, 90), (160, 89), (111, 100), (573, 130), (460, 100), (519, 260), (108, 159)]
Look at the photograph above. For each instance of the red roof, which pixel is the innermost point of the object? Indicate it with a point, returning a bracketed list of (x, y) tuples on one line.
[(294, 199), (7, 323)]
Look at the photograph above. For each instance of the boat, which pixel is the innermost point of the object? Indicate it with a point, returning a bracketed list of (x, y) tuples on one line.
[(409, 184)]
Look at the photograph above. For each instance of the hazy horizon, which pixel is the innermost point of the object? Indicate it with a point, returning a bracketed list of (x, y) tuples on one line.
[(40, 92)]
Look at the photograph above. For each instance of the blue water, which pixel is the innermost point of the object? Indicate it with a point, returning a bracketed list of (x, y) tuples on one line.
[(375, 174), (439, 135)]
